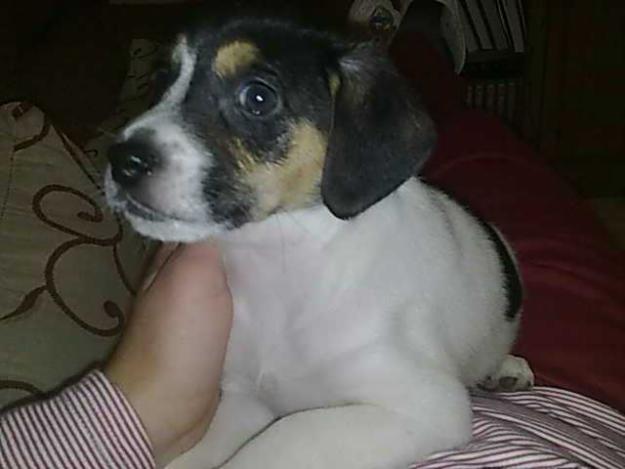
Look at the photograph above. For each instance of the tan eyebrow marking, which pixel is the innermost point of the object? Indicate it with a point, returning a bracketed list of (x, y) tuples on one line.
[(235, 56)]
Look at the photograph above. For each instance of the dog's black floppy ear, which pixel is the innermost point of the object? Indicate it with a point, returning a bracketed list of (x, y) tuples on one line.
[(381, 135)]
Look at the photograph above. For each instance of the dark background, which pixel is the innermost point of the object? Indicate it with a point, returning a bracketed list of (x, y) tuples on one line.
[(69, 57)]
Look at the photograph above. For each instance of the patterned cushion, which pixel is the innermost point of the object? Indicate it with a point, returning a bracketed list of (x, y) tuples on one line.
[(68, 266)]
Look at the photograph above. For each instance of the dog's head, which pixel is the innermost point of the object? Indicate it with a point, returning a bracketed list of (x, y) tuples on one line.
[(260, 116)]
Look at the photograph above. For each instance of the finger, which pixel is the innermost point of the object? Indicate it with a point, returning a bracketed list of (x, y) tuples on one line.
[(196, 264), (163, 253), (205, 251)]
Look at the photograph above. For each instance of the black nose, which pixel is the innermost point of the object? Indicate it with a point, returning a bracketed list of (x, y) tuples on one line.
[(130, 161)]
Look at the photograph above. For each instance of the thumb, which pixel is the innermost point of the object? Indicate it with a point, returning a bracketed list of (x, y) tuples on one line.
[(160, 257), (193, 266)]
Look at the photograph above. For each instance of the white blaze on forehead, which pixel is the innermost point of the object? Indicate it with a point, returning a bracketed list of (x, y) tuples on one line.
[(185, 57)]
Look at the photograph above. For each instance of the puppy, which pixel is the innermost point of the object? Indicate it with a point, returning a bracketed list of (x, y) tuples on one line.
[(365, 301)]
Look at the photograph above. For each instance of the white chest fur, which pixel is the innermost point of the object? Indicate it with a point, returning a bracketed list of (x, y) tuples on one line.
[(414, 278), (353, 340)]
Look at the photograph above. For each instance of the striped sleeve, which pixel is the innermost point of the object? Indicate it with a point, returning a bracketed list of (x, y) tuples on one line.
[(88, 425), (542, 428)]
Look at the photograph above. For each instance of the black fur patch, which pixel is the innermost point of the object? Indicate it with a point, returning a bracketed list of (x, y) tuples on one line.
[(381, 135), (513, 285), (512, 277), (229, 203)]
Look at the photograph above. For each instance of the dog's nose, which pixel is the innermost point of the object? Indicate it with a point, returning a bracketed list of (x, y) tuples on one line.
[(130, 161)]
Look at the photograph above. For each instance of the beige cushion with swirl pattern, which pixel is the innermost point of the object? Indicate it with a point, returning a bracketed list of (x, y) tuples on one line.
[(67, 264), (68, 267)]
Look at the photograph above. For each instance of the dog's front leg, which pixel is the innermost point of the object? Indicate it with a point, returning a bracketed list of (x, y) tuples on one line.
[(401, 419), (350, 437), (238, 418)]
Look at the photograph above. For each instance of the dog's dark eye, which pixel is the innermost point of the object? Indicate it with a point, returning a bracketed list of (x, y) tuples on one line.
[(258, 99)]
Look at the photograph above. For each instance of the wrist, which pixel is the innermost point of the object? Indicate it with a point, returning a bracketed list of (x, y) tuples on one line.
[(170, 430)]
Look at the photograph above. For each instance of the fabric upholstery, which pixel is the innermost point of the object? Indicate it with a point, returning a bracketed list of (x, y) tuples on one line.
[(68, 266)]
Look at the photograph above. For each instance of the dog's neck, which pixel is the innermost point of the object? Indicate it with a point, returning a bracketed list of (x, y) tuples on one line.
[(311, 225)]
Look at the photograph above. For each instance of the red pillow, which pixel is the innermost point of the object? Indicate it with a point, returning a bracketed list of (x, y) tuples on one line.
[(573, 325)]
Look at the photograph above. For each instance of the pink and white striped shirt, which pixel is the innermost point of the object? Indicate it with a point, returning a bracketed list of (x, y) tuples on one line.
[(91, 425), (88, 425), (542, 428)]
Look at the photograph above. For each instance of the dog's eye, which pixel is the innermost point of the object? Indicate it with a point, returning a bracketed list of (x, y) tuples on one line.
[(258, 99)]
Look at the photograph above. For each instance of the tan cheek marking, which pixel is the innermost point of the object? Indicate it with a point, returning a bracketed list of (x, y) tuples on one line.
[(235, 56), (294, 181), (245, 161)]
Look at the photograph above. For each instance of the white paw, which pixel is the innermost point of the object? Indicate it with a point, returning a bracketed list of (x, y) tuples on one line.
[(514, 374)]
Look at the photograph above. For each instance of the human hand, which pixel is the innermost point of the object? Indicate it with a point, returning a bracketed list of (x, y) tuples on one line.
[(169, 361)]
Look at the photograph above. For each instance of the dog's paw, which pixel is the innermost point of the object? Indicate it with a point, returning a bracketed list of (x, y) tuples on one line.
[(514, 374)]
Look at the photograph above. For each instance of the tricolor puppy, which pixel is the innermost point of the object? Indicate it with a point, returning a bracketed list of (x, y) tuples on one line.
[(365, 301)]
